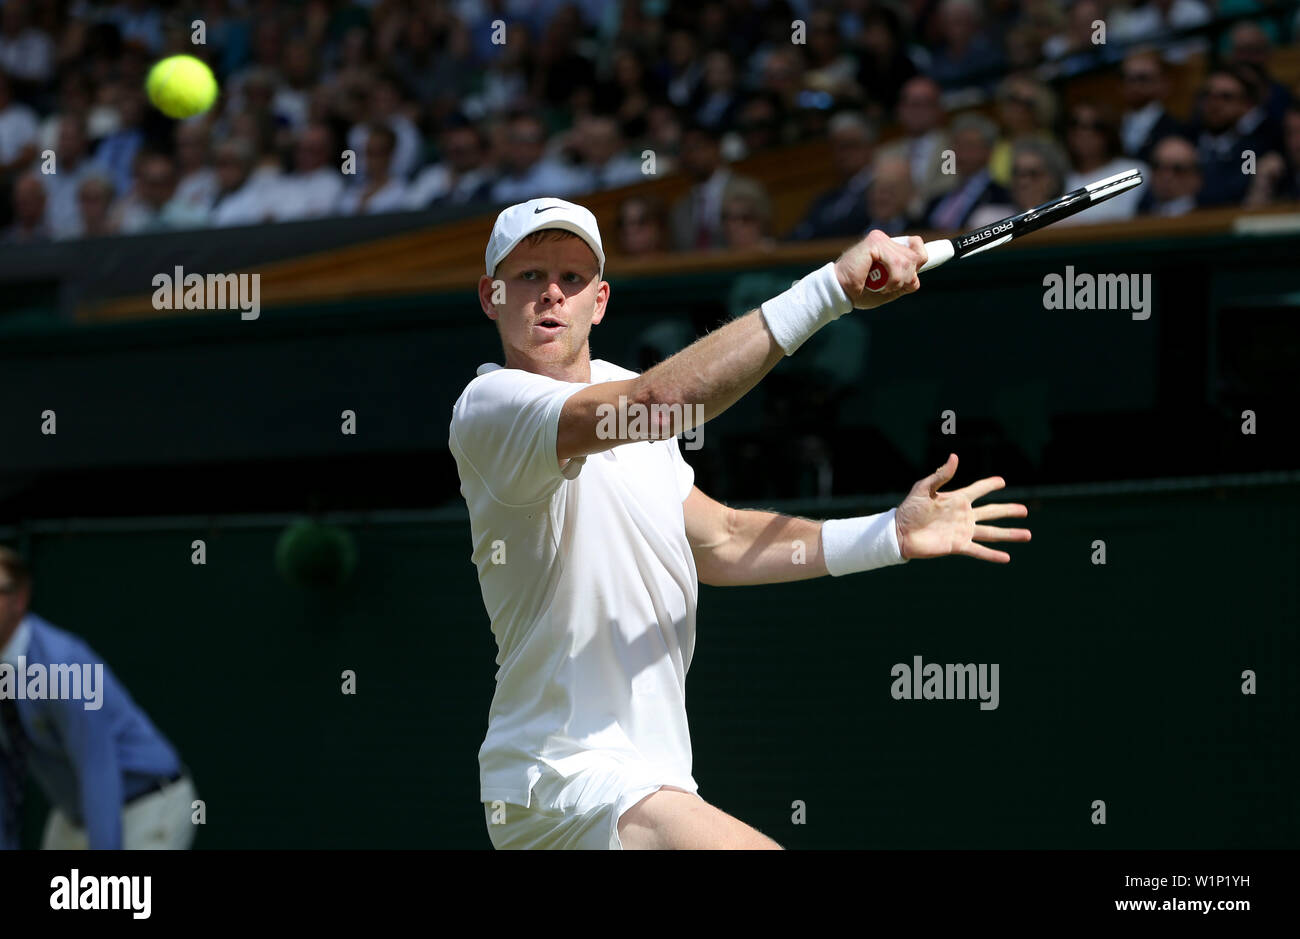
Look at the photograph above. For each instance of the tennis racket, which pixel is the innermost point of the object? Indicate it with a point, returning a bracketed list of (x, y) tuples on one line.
[(1014, 226)]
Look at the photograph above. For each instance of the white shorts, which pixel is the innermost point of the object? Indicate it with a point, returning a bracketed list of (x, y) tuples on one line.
[(513, 827), (577, 812)]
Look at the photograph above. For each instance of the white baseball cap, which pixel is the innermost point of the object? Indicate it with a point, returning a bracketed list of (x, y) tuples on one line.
[(519, 221)]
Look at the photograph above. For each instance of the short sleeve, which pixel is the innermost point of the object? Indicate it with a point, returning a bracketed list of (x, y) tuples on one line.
[(506, 424), (685, 473)]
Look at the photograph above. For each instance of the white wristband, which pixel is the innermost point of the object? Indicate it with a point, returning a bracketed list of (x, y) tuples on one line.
[(806, 307), (850, 545)]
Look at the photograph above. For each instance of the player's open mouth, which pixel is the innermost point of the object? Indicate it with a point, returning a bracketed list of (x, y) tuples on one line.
[(549, 326)]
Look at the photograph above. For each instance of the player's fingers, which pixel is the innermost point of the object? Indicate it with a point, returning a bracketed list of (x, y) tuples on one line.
[(885, 276), (916, 243), (893, 267), (981, 553), (1000, 510), (940, 477), (982, 487), (994, 533)]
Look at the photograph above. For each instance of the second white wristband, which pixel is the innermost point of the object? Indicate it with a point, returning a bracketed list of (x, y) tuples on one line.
[(850, 545)]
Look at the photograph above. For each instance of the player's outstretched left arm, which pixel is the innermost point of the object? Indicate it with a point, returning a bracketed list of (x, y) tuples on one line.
[(735, 547)]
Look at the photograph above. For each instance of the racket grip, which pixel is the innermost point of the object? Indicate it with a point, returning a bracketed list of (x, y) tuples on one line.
[(937, 252)]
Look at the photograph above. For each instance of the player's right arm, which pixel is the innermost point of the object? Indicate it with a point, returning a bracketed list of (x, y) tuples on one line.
[(714, 372)]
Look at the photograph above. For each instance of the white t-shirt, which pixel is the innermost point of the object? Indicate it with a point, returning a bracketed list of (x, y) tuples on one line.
[(593, 609)]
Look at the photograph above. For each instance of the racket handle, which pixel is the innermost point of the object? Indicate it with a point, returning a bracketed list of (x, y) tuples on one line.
[(937, 252)]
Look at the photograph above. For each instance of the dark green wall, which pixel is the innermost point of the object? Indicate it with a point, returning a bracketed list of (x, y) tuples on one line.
[(1118, 682)]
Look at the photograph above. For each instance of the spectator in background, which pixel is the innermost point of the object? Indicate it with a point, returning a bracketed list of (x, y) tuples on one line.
[(253, 106), (1229, 95), (642, 226), (75, 98), (782, 74), (1249, 45), (1157, 19), (461, 177), (18, 128), (1277, 176), (258, 128), (1146, 89), (1026, 109), (113, 781), (973, 137), (559, 67), (138, 21), (315, 186), (380, 191), (238, 200), (26, 52), (197, 186), (663, 135), (29, 224), (924, 138), (718, 97), (266, 38), (696, 218), (965, 52), (891, 197), (746, 215), (1038, 22), (1023, 45), (1176, 179), (419, 63), (1078, 47), (1258, 123), (450, 81), (72, 162), (885, 67), (385, 106), (1092, 139), (505, 82), (757, 128), (116, 153), (628, 92), (526, 172), (605, 161), (681, 70), (152, 205), (841, 212), (94, 202), (291, 96), (1038, 173), (830, 68)]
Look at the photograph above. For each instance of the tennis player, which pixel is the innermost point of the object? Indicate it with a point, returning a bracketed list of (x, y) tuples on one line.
[(591, 538)]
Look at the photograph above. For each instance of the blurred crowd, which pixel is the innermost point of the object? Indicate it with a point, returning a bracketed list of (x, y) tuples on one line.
[(347, 107)]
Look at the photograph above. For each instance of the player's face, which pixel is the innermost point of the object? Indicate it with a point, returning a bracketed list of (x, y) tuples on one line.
[(551, 295)]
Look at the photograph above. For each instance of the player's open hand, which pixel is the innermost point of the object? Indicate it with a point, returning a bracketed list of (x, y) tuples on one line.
[(898, 262), (933, 524)]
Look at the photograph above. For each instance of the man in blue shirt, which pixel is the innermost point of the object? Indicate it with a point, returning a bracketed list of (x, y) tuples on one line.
[(112, 779)]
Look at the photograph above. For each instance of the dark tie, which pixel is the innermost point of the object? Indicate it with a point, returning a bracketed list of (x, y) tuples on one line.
[(948, 215), (11, 808), (703, 233)]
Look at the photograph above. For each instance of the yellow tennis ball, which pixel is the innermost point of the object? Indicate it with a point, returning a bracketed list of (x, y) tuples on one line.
[(181, 86)]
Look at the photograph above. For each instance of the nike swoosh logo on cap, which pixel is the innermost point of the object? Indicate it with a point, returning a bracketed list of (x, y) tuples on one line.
[(544, 208)]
